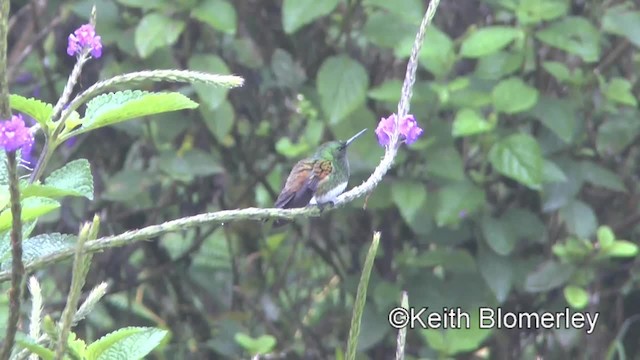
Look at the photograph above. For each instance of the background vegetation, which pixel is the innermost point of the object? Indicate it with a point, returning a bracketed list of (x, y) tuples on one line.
[(518, 194)]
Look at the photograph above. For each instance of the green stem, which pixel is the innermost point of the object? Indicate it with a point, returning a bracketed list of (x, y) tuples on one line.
[(17, 267), (81, 265), (361, 298)]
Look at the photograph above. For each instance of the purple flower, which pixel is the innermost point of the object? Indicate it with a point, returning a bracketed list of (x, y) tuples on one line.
[(409, 130), (15, 135), (84, 38)]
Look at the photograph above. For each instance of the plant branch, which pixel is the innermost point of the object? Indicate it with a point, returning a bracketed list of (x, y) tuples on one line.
[(17, 267), (81, 265)]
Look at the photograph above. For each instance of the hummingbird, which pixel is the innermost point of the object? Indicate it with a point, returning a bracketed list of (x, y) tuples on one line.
[(319, 179)]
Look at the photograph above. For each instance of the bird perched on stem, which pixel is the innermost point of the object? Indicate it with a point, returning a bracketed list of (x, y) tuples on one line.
[(318, 179)]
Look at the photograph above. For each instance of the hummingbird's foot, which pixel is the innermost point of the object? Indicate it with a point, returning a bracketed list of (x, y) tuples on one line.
[(324, 205)]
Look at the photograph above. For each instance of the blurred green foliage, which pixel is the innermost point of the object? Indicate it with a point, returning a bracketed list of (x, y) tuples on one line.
[(519, 195)]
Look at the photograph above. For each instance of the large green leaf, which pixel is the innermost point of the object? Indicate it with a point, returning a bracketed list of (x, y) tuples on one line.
[(219, 14), (445, 162), (601, 176), (297, 13), (39, 246), (622, 21), (499, 235), (547, 276), (519, 157), (73, 179), (35, 348), (5, 239), (470, 122), (497, 271), (580, 219), (126, 343), (112, 108), (618, 132), (32, 208), (535, 11), (342, 84), (457, 201), (219, 121), (256, 346), (619, 90), (576, 296), (513, 95), (488, 40), (409, 197), (575, 35), (211, 96), (410, 10), (155, 31), (38, 110), (557, 115)]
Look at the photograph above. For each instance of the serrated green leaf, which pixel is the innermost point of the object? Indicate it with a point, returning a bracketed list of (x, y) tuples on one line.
[(549, 275), (297, 13), (42, 245), (499, 64), (457, 201), (535, 11), (622, 248), (219, 14), (219, 121), (519, 157), (387, 91), (408, 197), (410, 10), (5, 239), (621, 20), (513, 96), (73, 179), (112, 108), (552, 172), (488, 40), (256, 346), (342, 84), (35, 348), (557, 115), (40, 111), (209, 95), (497, 271), (184, 167), (32, 208), (601, 176), (559, 70), (618, 132), (469, 122), (575, 35), (446, 162), (576, 296), (143, 4), (606, 237), (386, 30), (126, 343), (579, 218), (498, 235), (619, 90), (155, 31)]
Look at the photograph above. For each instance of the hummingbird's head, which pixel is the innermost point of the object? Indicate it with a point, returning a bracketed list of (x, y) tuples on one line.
[(336, 149)]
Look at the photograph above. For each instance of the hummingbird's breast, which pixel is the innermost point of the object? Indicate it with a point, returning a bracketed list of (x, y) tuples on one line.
[(330, 196)]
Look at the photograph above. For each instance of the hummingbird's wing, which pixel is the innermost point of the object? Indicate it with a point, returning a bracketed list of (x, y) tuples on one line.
[(302, 183)]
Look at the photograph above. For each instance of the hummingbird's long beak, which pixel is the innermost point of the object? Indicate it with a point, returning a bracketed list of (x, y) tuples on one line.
[(354, 137)]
